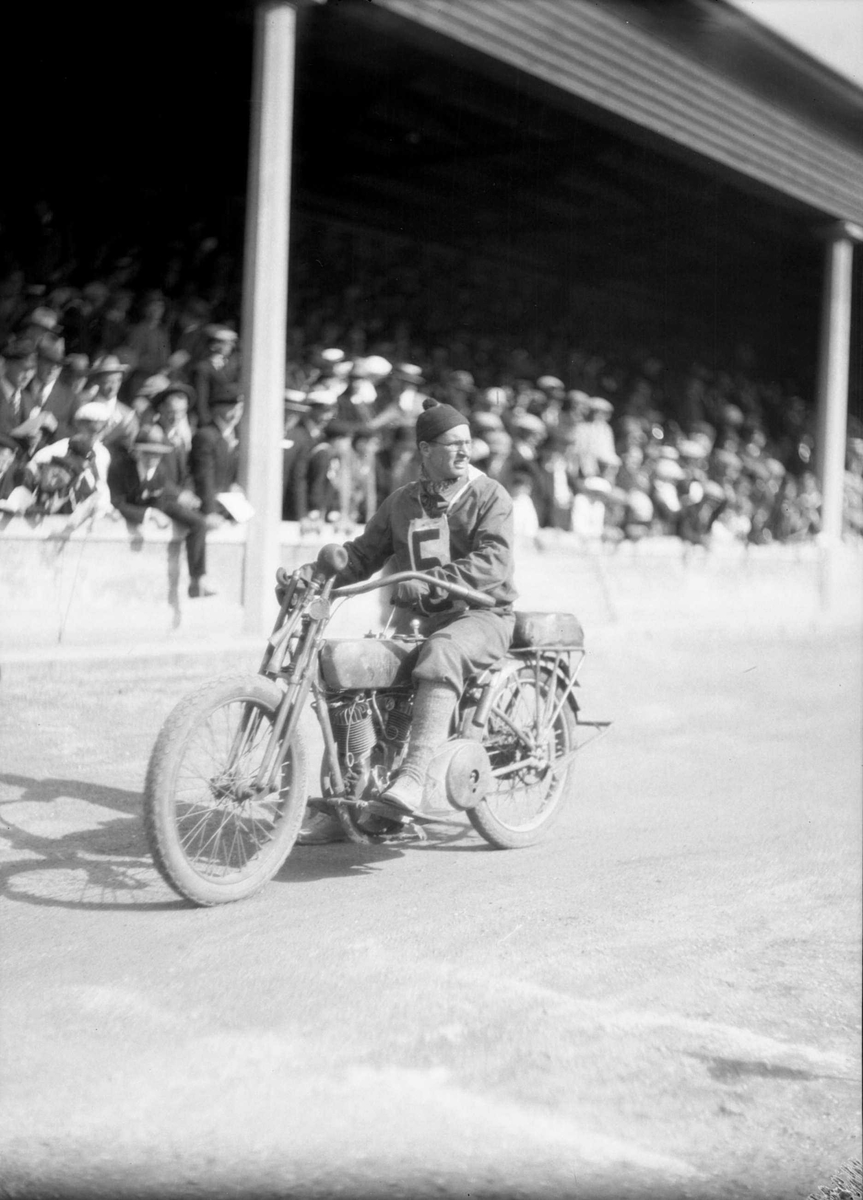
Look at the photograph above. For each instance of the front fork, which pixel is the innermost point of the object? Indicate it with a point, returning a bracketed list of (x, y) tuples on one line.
[(301, 677)]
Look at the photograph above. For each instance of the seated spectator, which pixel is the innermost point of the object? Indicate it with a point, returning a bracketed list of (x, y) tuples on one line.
[(364, 476), (593, 440), (763, 493), (560, 481), (57, 486), (809, 501), (106, 377), (498, 463), (364, 403), (217, 372), (82, 316), (852, 489), (41, 325), (111, 326), (90, 493), (141, 403), (528, 435), (588, 507), (306, 455), (458, 390), (142, 490), (616, 511), (170, 411), (667, 478), (74, 374), (189, 330), (53, 389), (638, 515), (400, 460), (17, 371), (148, 343), (524, 515), (552, 393), (214, 459), (405, 381), (703, 505)]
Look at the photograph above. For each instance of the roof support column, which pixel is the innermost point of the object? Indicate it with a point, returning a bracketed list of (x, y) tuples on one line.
[(833, 372), (265, 300), (832, 396)]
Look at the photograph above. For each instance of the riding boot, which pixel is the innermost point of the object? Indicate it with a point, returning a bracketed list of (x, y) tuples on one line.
[(433, 709)]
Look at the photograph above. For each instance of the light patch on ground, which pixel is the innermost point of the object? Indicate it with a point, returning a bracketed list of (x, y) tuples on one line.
[(10, 853), (430, 1089), (59, 817), (383, 1121), (718, 1037)]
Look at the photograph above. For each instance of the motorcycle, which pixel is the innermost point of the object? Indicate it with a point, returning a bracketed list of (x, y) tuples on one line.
[(226, 788)]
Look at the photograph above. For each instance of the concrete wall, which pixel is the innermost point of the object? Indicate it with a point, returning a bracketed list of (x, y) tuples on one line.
[(111, 585)]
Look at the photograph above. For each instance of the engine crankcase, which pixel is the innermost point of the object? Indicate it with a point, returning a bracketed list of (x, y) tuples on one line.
[(459, 774)]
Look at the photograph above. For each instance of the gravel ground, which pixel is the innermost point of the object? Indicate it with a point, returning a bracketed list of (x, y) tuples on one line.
[(661, 1000)]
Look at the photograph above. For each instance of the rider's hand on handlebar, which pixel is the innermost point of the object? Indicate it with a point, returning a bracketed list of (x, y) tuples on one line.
[(409, 593)]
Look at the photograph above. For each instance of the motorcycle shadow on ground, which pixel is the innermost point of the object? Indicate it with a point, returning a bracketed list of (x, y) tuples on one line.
[(306, 864), (72, 843), (63, 848)]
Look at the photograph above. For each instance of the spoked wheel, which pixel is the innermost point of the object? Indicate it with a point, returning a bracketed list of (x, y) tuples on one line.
[(529, 730), (214, 836)]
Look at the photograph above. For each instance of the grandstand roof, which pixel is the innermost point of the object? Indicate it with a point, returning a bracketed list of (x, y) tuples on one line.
[(698, 76)]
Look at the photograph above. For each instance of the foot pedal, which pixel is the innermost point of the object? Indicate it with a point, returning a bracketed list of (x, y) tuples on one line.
[(438, 817)]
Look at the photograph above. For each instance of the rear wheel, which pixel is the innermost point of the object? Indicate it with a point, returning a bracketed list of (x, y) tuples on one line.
[(529, 731), (213, 836)]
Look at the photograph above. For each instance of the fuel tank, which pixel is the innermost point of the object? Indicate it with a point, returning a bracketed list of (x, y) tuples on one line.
[(353, 663)]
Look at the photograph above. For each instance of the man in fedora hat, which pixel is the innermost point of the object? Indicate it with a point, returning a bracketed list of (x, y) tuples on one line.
[(106, 375), (214, 459), (453, 523), (41, 325), (170, 411), (142, 490), (51, 391), (217, 372), (18, 368), (306, 456)]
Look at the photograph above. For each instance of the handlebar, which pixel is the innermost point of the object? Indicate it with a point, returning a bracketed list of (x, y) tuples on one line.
[(459, 590)]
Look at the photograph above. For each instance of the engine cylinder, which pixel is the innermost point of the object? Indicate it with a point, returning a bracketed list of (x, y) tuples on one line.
[(353, 728)]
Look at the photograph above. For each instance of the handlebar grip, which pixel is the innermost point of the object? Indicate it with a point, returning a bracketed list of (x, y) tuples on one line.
[(480, 599), (331, 560)]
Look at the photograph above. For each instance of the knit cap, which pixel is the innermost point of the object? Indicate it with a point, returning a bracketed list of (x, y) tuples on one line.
[(436, 419)]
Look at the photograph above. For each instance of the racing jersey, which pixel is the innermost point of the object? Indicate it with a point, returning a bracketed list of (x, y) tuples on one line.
[(470, 542)]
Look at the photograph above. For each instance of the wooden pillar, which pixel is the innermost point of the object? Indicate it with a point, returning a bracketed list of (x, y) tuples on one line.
[(265, 299), (832, 392)]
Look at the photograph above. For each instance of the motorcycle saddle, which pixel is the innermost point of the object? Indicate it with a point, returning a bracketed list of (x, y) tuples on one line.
[(539, 630)]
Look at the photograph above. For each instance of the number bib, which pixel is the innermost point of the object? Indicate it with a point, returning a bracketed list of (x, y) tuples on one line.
[(428, 546)]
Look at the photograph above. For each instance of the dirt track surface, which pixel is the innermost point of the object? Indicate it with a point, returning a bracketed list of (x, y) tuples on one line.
[(663, 1000)]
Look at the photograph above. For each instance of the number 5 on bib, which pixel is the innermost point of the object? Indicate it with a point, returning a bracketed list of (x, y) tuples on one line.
[(428, 545)]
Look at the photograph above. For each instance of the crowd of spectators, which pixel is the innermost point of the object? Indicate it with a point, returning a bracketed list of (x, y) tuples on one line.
[(128, 404), (98, 417)]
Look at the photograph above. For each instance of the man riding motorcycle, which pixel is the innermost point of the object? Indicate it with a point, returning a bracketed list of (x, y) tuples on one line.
[(455, 523)]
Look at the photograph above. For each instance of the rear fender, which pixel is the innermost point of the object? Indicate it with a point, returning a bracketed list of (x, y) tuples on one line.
[(475, 712)]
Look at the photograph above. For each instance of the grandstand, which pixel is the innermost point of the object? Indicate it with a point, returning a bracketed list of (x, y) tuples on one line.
[(673, 178)]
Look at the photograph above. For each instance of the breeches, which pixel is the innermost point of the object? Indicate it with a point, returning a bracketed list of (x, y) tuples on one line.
[(462, 644)]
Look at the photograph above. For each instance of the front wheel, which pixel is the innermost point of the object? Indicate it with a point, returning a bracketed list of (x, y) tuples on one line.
[(213, 835), (531, 728)]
